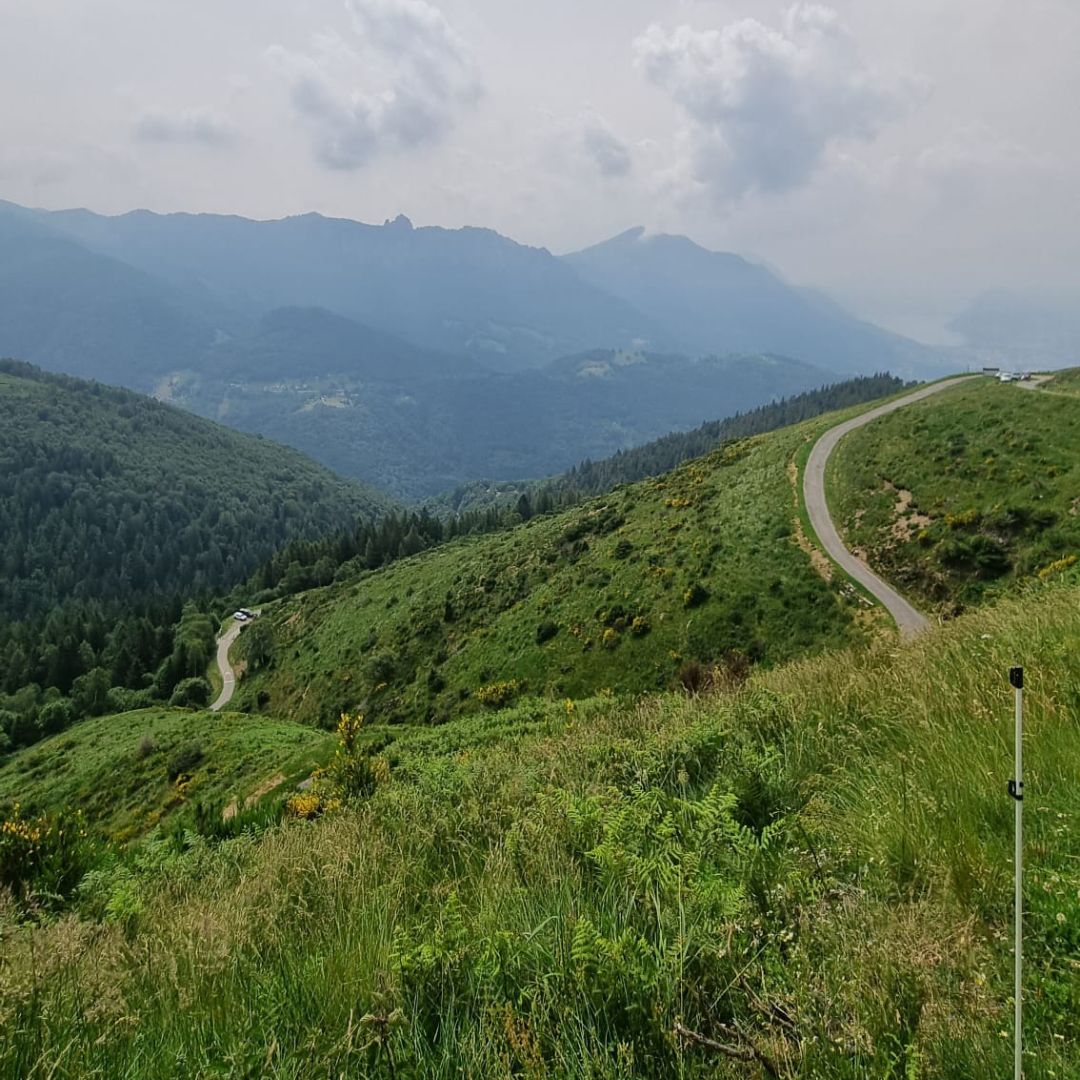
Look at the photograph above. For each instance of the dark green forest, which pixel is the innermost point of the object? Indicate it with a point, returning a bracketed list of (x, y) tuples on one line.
[(105, 494), (666, 453), (114, 511)]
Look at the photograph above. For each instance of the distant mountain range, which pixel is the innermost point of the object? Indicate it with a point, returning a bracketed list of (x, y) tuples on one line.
[(420, 357)]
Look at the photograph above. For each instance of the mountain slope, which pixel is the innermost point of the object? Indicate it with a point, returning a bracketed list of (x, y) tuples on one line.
[(418, 437), (696, 567), (597, 891), (136, 749), (87, 314), (290, 343), (964, 498), (718, 302), (108, 495)]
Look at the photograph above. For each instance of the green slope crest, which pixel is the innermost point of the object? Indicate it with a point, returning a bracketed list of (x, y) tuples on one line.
[(960, 499), (624, 593)]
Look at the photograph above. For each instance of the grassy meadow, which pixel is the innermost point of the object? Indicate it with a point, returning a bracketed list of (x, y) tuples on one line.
[(960, 498), (809, 876), (118, 770), (700, 565)]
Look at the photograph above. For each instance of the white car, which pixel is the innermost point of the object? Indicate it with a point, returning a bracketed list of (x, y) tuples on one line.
[(241, 616)]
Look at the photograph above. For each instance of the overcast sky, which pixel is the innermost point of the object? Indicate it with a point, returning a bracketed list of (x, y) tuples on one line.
[(902, 155)]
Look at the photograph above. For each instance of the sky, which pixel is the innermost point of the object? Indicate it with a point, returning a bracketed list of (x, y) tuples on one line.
[(905, 157)]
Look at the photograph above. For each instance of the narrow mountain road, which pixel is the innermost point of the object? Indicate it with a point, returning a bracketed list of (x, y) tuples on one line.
[(228, 676), (908, 619)]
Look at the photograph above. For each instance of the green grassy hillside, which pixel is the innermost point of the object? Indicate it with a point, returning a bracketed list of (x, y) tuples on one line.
[(1063, 382), (118, 769), (701, 565), (960, 498), (813, 872)]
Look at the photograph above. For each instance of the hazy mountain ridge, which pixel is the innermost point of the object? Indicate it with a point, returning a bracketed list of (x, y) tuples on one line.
[(472, 291), (717, 297), (419, 358)]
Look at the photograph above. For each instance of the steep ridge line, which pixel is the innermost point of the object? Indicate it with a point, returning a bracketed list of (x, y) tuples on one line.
[(909, 620)]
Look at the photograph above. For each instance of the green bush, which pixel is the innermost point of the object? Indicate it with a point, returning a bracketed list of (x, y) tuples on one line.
[(184, 760), (695, 595), (43, 857), (191, 693), (56, 716)]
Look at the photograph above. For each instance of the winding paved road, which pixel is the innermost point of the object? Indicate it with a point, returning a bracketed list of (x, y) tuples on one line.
[(908, 619), (228, 676)]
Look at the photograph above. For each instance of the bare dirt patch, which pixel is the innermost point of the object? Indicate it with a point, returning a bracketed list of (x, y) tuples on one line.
[(908, 522), (265, 788)]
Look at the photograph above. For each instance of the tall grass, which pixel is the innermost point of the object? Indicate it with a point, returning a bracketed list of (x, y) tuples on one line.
[(812, 873)]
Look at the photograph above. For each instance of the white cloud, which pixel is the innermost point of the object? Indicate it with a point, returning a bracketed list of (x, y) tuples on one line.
[(399, 82), (763, 105), (608, 152), (200, 127)]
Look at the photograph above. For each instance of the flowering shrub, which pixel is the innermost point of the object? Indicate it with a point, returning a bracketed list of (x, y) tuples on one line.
[(1057, 565), (495, 695), (353, 773), (305, 804), (46, 855)]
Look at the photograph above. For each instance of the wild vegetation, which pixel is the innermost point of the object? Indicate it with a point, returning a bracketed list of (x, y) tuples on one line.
[(628, 591), (115, 511), (806, 876), (127, 772), (960, 499)]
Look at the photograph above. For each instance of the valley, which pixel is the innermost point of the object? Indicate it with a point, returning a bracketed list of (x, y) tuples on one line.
[(420, 359), (595, 777), (539, 542)]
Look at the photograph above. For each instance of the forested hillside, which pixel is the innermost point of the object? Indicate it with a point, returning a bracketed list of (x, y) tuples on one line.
[(105, 494), (667, 452), (114, 509)]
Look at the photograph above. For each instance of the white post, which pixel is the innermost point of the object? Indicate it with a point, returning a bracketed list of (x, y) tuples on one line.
[(1016, 790)]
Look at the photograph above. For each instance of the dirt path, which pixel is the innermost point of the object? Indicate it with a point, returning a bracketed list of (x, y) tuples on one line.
[(909, 620)]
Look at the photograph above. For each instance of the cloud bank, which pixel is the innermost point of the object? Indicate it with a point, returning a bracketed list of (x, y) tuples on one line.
[(399, 82), (608, 152), (198, 127), (764, 104)]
